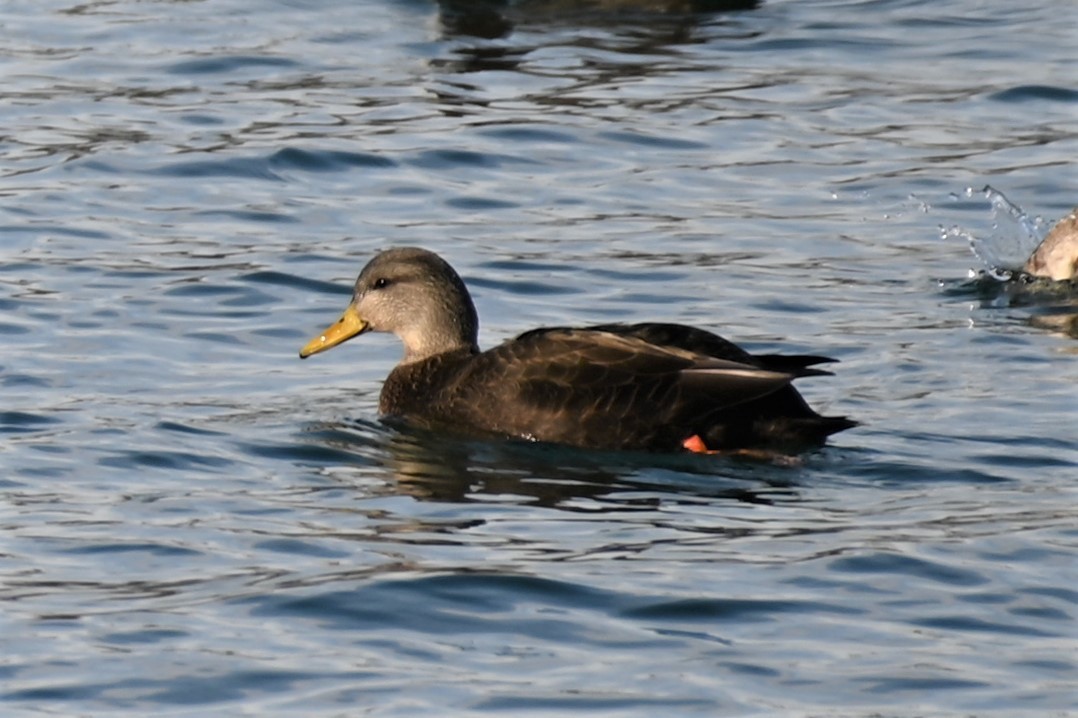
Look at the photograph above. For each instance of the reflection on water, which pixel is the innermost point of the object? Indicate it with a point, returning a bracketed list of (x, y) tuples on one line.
[(590, 41), (1062, 323), (430, 465), (491, 19)]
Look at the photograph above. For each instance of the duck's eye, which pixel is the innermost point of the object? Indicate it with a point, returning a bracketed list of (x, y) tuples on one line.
[(381, 283)]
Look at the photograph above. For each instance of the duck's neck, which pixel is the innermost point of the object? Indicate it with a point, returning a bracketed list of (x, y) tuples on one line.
[(411, 386), (444, 333), (425, 345)]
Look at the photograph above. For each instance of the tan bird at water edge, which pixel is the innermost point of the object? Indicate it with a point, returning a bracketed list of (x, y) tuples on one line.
[(652, 387), (1057, 255)]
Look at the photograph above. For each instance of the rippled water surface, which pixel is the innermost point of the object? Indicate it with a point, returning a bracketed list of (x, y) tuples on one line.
[(193, 522)]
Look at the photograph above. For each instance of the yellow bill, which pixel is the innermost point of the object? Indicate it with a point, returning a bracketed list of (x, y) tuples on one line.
[(349, 325)]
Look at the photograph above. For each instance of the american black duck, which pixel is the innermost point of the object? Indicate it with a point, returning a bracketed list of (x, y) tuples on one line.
[(653, 387)]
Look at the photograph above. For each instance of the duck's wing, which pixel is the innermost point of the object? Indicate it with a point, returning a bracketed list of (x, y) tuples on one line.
[(597, 362), (598, 388), (700, 341), (680, 336), (781, 419)]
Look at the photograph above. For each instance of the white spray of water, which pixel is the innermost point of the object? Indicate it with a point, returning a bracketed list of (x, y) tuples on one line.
[(1013, 237)]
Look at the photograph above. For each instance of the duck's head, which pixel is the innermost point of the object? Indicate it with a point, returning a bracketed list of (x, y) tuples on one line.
[(412, 293)]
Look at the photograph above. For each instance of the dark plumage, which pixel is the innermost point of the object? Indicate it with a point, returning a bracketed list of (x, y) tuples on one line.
[(611, 386)]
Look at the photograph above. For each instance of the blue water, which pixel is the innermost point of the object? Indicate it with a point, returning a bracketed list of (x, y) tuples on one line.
[(193, 522)]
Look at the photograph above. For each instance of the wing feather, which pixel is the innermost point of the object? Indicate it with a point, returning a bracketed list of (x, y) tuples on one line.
[(588, 380)]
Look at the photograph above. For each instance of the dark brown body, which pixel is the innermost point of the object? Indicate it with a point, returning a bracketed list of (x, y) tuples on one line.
[(643, 386)]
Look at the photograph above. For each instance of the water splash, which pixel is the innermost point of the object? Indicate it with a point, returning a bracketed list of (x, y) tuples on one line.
[(1013, 237), (1003, 251), (948, 234)]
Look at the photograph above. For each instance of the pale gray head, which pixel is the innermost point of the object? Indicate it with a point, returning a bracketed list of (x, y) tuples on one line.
[(416, 295)]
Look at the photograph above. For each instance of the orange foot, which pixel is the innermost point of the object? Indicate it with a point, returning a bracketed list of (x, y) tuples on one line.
[(696, 445)]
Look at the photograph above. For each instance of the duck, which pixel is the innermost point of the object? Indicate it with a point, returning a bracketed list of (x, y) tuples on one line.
[(654, 387), (1056, 257)]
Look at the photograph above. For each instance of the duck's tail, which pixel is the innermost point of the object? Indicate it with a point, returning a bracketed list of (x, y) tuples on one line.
[(784, 433)]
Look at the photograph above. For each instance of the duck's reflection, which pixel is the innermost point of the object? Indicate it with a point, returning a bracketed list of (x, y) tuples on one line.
[(1052, 304), (1063, 324), (1047, 304), (499, 34), (432, 466), (493, 19)]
